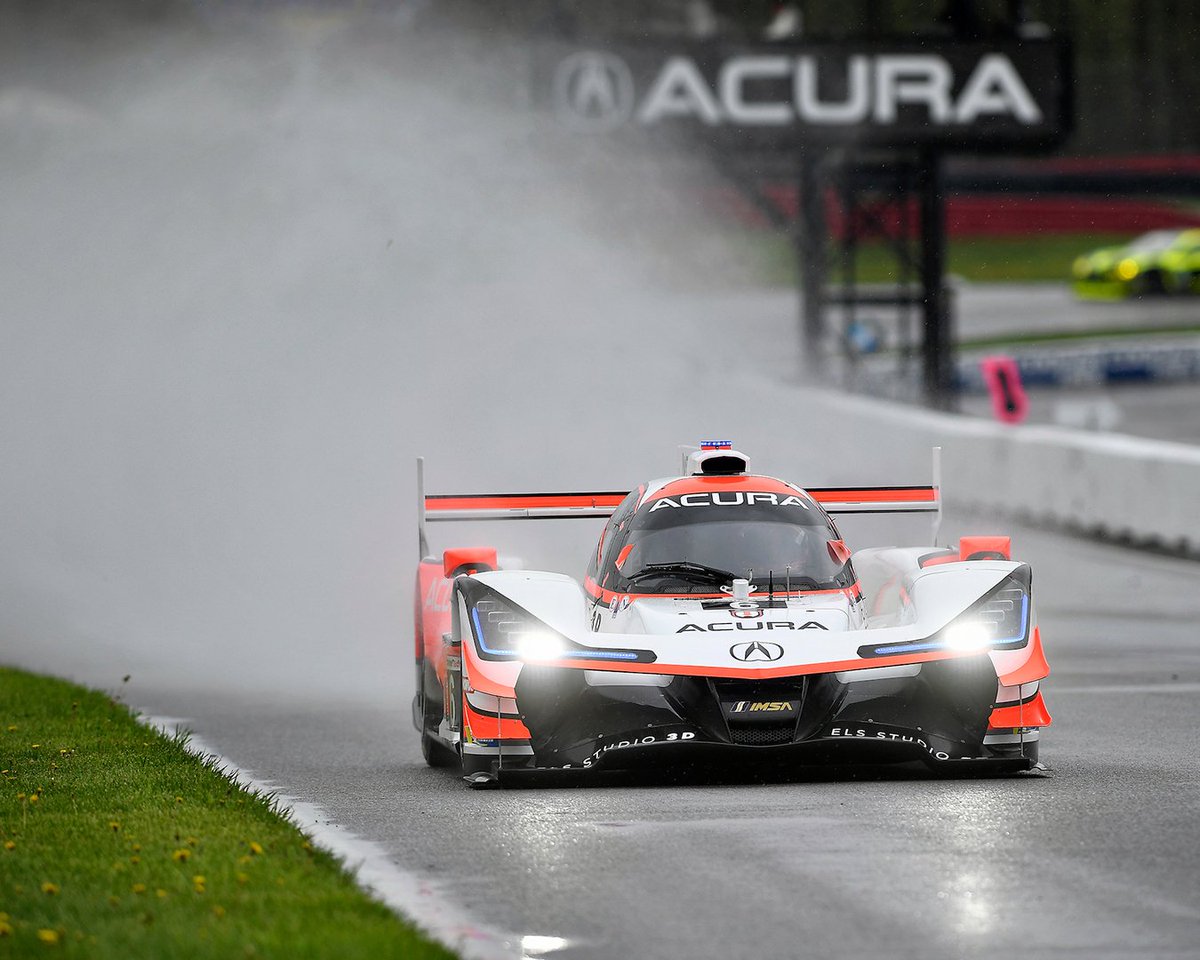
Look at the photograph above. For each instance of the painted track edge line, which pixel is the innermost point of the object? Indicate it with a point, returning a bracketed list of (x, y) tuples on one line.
[(415, 900)]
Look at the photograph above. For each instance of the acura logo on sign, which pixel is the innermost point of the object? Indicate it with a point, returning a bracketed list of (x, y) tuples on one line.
[(755, 650), (593, 90), (953, 88)]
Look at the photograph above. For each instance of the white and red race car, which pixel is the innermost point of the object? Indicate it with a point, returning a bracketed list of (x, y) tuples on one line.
[(723, 619)]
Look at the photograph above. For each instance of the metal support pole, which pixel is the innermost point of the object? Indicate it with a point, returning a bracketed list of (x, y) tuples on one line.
[(937, 347), (811, 239)]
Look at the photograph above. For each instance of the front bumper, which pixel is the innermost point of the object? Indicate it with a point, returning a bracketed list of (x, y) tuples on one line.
[(936, 719), (687, 758)]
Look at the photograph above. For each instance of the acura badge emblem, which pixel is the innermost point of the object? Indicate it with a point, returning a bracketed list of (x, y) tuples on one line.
[(755, 650)]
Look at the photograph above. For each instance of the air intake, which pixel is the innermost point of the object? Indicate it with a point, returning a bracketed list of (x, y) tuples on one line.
[(717, 463)]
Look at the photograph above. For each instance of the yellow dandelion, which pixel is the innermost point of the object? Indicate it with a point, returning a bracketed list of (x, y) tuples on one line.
[(5, 928), (136, 848), (179, 799), (47, 936), (198, 879), (256, 848), (139, 888), (12, 728), (114, 826), (181, 855), (218, 911), (161, 893), (244, 858), (135, 859), (35, 746), (192, 841), (20, 796), (51, 889), (33, 798), (243, 878), (10, 844)]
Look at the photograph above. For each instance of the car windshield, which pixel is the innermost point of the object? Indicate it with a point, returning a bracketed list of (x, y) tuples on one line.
[(701, 549), (1153, 241)]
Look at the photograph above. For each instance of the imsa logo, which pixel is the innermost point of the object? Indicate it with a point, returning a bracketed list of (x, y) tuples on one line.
[(761, 706)]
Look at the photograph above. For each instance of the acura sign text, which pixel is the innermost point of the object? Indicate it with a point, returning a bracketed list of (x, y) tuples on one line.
[(964, 93)]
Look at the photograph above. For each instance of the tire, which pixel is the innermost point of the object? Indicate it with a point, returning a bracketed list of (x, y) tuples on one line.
[(473, 765), (1150, 284), (435, 752), (1015, 750)]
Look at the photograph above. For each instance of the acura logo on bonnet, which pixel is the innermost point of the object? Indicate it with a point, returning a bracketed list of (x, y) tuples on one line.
[(755, 650)]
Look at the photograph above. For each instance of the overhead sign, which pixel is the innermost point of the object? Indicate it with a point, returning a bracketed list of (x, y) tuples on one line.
[(954, 94)]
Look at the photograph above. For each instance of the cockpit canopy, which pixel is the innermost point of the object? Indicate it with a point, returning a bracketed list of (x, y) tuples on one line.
[(697, 540)]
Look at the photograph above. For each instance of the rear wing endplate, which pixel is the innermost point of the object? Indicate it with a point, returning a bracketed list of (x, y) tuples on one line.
[(439, 508)]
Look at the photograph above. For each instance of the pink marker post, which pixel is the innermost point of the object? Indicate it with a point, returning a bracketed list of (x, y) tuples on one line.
[(1003, 379)]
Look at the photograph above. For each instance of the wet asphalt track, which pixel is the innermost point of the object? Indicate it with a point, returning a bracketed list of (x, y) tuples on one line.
[(1096, 858)]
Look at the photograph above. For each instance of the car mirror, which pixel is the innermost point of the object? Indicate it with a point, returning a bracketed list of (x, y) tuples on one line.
[(467, 560), (839, 553)]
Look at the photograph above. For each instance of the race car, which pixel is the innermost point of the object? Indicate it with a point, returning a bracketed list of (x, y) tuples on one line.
[(723, 620), (1158, 262)]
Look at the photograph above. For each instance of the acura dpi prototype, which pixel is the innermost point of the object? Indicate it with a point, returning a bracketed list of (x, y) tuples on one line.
[(723, 619)]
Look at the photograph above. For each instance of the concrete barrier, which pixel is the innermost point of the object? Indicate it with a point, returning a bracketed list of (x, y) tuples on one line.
[(1140, 491)]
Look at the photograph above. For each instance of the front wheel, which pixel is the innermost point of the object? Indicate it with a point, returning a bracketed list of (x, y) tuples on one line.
[(435, 752), (1029, 750), (1149, 284)]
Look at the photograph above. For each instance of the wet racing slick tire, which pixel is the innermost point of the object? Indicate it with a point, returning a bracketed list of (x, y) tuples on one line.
[(436, 753)]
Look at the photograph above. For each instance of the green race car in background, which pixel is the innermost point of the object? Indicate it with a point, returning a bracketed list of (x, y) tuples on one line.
[(1159, 262)]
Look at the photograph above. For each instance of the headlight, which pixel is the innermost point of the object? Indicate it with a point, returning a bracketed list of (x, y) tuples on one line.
[(998, 621), (1127, 269), (505, 631), (968, 636), (539, 645)]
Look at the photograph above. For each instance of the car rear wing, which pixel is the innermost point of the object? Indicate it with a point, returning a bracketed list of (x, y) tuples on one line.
[(438, 508)]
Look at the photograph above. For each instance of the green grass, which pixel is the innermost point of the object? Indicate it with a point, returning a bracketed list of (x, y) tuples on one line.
[(1035, 258), (116, 842)]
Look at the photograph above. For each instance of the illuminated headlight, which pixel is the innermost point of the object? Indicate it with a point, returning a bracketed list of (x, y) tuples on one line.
[(999, 621), (538, 645), (513, 635), (505, 632), (1127, 269), (968, 637)]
